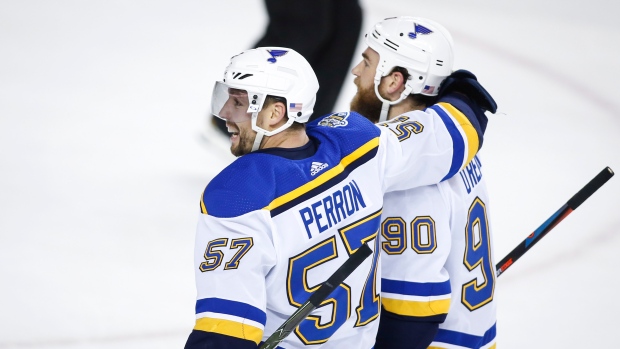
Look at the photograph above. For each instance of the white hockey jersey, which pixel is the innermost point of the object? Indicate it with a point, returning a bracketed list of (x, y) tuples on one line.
[(272, 229), (438, 258)]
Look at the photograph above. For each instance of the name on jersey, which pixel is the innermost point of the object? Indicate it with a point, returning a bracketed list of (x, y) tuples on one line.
[(471, 174), (332, 209)]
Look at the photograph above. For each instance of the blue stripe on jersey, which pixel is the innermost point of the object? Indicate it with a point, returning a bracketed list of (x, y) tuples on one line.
[(464, 339), (457, 140), (476, 117), (423, 289), (224, 306)]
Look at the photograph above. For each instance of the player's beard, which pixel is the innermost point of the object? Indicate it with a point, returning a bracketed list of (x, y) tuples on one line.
[(366, 103), (244, 144)]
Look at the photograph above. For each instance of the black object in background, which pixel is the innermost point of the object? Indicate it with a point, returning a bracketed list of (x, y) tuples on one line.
[(325, 32)]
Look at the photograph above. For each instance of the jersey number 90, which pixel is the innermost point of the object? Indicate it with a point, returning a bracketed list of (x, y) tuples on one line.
[(423, 235)]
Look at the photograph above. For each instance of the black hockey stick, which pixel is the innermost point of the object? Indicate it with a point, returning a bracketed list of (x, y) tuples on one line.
[(318, 296), (556, 218)]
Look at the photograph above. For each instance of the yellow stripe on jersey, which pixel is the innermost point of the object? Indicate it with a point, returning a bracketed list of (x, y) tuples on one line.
[(336, 170), (229, 328), (416, 308), (203, 208), (470, 132)]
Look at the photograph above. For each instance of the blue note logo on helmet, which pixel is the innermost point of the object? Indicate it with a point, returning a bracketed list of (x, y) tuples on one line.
[(275, 54), (419, 29)]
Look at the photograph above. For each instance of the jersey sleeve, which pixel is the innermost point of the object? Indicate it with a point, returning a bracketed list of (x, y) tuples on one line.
[(231, 260), (426, 147)]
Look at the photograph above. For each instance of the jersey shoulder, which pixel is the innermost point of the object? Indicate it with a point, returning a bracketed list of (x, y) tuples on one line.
[(255, 180), (265, 181), (244, 186), (344, 131)]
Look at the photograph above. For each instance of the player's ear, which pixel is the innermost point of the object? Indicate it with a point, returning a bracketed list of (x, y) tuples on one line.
[(278, 114), (392, 85), (397, 83)]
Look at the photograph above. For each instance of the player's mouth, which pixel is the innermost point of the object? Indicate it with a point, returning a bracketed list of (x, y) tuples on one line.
[(234, 133)]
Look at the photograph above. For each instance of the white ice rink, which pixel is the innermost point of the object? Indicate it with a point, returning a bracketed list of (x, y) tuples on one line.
[(103, 159)]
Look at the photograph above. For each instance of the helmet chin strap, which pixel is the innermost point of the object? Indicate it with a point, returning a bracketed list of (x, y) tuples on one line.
[(257, 140), (386, 104), (260, 132), (385, 109)]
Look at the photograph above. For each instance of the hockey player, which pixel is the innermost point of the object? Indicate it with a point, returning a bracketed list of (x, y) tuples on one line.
[(299, 200), (438, 274)]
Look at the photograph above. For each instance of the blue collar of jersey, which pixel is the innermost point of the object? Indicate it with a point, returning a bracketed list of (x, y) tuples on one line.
[(299, 153)]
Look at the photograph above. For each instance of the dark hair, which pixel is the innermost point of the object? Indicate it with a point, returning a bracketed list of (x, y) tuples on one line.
[(269, 100)]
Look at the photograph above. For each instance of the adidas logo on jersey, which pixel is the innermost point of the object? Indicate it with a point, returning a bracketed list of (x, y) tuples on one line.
[(317, 167)]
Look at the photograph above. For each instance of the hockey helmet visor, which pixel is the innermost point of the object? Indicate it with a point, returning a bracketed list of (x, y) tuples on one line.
[(234, 104)]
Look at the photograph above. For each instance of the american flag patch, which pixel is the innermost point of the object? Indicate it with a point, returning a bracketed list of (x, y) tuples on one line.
[(428, 89), (295, 107)]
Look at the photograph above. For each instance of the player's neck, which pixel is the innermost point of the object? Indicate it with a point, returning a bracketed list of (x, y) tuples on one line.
[(286, 139), (405, 106)]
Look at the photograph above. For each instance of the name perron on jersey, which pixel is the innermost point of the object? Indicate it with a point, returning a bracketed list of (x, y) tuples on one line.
[(438, 258), (272, 229)]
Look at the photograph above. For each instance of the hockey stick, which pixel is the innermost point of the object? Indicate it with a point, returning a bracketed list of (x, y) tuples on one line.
[(318, 296), (556, 218)]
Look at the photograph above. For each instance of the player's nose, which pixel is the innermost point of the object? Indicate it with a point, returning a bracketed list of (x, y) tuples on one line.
[(225, 113), (355, 70)]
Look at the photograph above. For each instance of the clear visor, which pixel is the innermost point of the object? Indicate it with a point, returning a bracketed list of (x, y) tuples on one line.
[(232, 104)]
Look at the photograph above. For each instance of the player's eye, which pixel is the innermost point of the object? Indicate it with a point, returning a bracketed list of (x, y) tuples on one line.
[(237, 103)]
